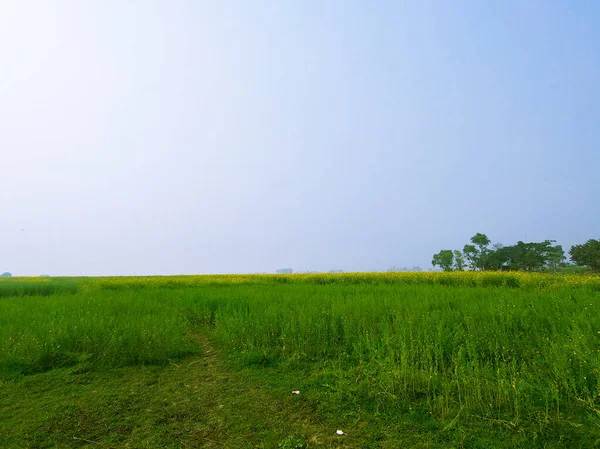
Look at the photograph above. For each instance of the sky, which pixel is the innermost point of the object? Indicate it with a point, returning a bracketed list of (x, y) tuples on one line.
[(155, 137)]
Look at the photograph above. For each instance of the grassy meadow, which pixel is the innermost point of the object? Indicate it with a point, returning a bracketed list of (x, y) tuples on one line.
[(477, 360)]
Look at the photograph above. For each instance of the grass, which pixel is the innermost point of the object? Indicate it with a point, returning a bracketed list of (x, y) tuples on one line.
[(36, 286), (197, 402), (395, 359)]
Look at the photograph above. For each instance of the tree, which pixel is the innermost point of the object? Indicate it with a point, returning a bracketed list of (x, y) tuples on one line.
[(459, 261), (535, 256), (481, 240), (6, 274), (444, 259), (496, 258), (532, 256), (476, 252), (556, 258), (587, 254), (471, 255)]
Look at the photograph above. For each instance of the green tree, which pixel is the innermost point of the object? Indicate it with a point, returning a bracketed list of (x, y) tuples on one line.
[(498, 257), (459, 261), (532, 256), (587, 254), (556, 258), (476, 252), (482, 242), (471, 256), (535, 256), (444, 259)]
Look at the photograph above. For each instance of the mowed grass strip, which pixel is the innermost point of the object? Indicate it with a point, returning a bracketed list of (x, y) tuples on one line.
[(197, 403)]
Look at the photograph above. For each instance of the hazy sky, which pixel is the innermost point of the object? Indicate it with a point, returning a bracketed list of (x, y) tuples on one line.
[(159, 137)]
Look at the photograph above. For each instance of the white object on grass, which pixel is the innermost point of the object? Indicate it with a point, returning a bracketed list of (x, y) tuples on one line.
[(296, 392), (340, 432)]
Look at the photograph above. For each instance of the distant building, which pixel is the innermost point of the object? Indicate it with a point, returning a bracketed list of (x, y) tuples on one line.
[(394, 269), (6, 274), (285, 271)]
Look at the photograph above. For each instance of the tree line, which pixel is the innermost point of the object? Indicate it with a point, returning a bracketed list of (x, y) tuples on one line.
[(532, 256)]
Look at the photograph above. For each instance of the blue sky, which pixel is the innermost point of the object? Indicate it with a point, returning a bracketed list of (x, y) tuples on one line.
[(233, 136)]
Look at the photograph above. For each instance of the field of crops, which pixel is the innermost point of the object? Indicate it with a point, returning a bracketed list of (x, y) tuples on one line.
[(397, 359)]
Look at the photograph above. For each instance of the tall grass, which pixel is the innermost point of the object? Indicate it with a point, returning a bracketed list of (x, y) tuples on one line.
[(94, 329), (499, 352), (36, 286)]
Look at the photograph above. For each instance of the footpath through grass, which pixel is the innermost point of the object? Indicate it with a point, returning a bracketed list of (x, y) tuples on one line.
[(197, 403), (409, 360)]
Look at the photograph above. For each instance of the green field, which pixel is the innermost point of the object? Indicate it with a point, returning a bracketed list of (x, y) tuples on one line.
[(397, 360)]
